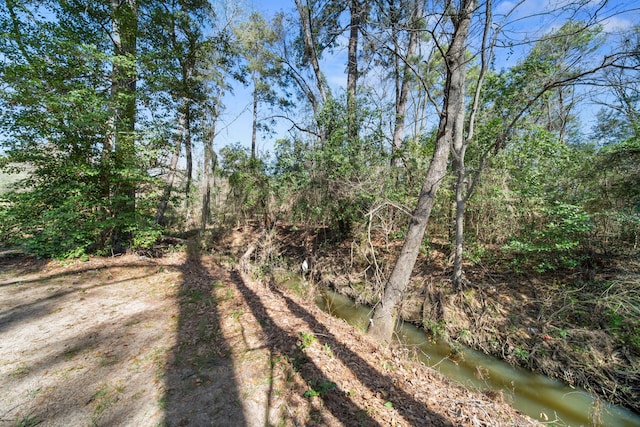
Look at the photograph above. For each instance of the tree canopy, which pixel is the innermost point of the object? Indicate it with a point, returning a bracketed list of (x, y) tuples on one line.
[(114, 115)]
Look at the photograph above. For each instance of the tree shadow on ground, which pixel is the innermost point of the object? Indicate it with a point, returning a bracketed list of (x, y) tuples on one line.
[(77, 346), (200, 385), (339, 403), (48, 303), (18, 264)]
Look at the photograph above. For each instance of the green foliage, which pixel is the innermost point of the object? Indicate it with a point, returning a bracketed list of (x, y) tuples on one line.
[(612, 181), (67, 220), (521, 354), (60, 127), (250, 186), (334, 180), (61, 222), (306, 340), (320, 388), (555, 243), (28, 421), (146, 236), (436, 328)]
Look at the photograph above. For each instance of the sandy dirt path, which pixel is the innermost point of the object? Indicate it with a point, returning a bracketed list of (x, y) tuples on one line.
[(181, 340)]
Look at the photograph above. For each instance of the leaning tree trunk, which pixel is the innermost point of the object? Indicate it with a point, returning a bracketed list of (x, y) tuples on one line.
[(310, 47), (384, 317)]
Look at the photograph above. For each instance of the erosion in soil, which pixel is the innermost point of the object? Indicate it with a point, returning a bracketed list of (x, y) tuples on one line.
[(561, 324)]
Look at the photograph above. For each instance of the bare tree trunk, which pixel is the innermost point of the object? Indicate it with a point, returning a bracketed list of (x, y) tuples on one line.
[(310, 46), (460, 171), (352, 70), (402, 95), (384, 317), (464, 186), (254, 123), (207, 178), (189, 157)]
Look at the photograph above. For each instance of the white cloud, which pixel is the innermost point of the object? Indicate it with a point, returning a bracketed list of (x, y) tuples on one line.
[(617, 23)]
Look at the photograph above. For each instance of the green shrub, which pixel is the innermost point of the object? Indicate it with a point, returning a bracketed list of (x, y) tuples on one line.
[(554, 241)]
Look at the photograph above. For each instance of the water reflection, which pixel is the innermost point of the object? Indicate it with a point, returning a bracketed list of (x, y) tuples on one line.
[(535, 395)]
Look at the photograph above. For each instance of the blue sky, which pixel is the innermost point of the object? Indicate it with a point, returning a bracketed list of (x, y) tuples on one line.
[(237, 117)]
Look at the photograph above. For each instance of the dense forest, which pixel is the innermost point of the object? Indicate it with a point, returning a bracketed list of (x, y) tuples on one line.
[(504, 136)]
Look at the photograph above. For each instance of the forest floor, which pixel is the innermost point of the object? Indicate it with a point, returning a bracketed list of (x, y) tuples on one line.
[(190, 339), (581, 326)]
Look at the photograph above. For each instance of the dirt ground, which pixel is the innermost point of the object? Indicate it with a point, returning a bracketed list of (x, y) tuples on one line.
[(580, 331), (190, 340)]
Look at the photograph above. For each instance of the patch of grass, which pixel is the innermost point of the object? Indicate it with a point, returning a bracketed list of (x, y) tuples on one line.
[(158, 358), (327, 349), (561, 333), (107, 360), (132, 322), (104, 399), (20, 371), (162, 402), (28, 421), (72, 352), (227, 296), (192, 296), (521, 353), (65, 373), (306, 340)]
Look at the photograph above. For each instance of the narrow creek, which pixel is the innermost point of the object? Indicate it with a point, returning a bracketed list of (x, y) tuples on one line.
[(538, 396)]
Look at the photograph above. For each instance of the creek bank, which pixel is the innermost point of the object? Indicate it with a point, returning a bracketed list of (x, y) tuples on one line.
[(534, 394), (553, 324)]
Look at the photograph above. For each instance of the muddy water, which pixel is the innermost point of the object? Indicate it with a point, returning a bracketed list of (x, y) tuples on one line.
[(538, 396)]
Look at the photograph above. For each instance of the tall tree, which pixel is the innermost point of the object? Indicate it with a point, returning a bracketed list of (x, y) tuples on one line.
[(257, 38), (209, 166), (69, 85), (218, 69), (174, 51), (554, 64), (356, 11), (450, 127), (121, 137), (311, 46), (461, 143), (395, 39)]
